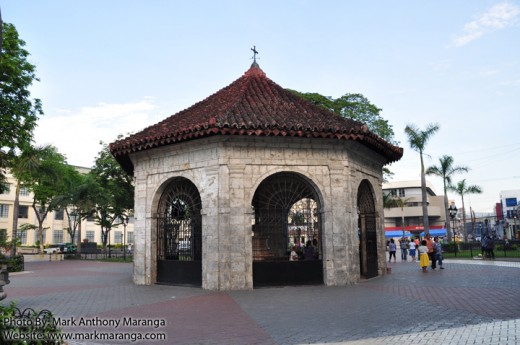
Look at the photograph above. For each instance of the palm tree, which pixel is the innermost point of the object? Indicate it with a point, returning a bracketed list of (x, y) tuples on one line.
[(390, 201), (446, 169), (418, 140), (462, 188)]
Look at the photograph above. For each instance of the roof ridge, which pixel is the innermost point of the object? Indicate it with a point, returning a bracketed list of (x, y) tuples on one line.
[(255, 105)]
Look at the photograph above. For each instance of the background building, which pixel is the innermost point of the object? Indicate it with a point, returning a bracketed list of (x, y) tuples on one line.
[(507, 216), (410, 192)]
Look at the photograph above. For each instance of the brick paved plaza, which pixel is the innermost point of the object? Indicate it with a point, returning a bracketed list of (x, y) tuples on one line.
[(470, 302)]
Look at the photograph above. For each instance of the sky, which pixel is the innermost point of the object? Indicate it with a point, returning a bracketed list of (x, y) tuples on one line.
[(115, 67)]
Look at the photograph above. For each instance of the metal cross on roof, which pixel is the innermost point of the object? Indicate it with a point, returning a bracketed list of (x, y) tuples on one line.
[(254, 53)]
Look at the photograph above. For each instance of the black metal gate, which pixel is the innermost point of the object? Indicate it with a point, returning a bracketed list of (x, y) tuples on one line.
[(179, 235), (367, 228), (287, 215)]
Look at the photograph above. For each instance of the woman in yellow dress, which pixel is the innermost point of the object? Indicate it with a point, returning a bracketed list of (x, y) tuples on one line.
[(424, 260)]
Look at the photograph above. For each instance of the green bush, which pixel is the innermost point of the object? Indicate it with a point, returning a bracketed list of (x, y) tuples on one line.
[(14, 264), (16, 324), (451, 247)]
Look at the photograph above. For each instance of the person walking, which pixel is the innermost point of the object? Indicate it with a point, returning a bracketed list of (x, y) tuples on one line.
[(438, 251), (424, 259), (391, 249), (404, 249), (411, 251)]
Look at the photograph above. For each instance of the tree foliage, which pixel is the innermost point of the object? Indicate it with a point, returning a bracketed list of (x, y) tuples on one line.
[(18, 111), (354, 106), (75, 199), (47, 184), (112, 192), (24, 165)]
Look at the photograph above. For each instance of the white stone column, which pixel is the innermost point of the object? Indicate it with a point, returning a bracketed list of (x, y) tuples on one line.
[(235, 234), (210, 228)]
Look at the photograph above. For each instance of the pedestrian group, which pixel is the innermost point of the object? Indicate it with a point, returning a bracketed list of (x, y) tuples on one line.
[(429, 251)]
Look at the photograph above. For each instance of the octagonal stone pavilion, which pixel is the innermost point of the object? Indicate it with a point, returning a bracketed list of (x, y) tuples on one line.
[(226, 188)]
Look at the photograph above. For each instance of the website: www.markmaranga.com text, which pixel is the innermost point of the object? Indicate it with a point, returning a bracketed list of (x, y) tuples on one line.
[(93, 335)]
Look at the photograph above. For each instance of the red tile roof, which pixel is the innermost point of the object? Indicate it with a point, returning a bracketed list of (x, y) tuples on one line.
[(252, 105)]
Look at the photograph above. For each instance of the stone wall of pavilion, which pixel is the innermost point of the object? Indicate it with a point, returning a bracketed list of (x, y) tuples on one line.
[(227, 171)]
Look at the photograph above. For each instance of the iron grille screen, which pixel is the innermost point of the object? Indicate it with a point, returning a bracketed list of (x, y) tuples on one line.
[(179, 225), (367, 224), (285, 215)]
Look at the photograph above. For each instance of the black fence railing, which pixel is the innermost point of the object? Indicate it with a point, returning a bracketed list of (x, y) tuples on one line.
[(502, 249)]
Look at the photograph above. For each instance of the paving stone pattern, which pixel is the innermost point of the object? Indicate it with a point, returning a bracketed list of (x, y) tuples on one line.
[(470, 302)]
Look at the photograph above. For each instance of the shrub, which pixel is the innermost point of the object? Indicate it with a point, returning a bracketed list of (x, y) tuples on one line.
[(16, 323), (14, 264)]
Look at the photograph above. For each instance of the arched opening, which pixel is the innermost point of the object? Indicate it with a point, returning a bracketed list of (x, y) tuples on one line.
[(367, 231), (179, 234), (286, 216)]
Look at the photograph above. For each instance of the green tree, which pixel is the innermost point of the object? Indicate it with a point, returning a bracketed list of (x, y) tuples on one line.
[(354, 106), (47, 184), (462, 188), (74, 202), (18, 111), (357, 107), (418, 139), (446, 170), (112, 193), (24, 165)]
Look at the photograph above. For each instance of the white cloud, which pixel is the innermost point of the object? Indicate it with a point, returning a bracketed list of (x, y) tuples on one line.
[(77, 133), (498, 17)]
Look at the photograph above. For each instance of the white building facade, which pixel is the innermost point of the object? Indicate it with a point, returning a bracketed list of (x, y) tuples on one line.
[(509, 219), (410, 192)]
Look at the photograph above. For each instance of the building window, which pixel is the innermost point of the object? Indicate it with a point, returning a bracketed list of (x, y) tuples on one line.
[(130, 236), (23, 237), (5, 188), (58, 215), (90, 236), (4, 211), (23, 212), (401, 193), (24, 191), (58, 236), (118, 238), (90, 218)]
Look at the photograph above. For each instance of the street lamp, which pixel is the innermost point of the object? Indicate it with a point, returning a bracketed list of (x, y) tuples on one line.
[(453, 212), (125, 221), (73, 217)]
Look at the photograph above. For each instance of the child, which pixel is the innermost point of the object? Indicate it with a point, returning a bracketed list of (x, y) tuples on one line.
[(424, 261), (411, 251)]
